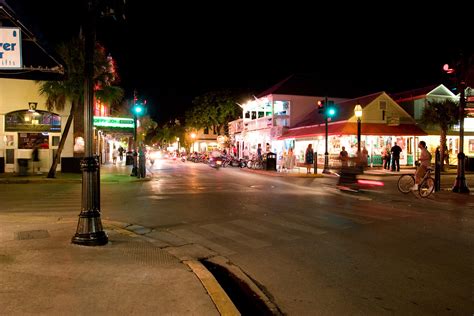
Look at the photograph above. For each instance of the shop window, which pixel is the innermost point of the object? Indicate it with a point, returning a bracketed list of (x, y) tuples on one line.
[(206, 131), (35, 121), (29, 140), (55, 140), (268, 114), (254, 115), (260, 114), (247, 115)]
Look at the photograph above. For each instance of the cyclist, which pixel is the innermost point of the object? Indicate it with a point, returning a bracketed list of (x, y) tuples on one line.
[(425, 163)]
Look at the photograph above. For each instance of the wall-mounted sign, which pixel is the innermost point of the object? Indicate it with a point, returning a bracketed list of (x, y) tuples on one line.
[(37, 121), (10, 48), (117, 122)]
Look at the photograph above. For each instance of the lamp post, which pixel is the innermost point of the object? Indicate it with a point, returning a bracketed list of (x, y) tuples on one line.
[(326, 119), (460, 185), (177, 140), (89, 230), (358, 114)]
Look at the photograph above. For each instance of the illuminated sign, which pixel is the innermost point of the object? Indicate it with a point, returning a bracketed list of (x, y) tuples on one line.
[(117, 122), (10, 48)]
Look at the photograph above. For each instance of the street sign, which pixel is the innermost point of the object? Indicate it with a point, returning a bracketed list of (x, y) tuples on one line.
[(10, 48)]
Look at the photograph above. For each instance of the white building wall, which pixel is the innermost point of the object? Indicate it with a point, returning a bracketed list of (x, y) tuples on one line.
[(15, 94)]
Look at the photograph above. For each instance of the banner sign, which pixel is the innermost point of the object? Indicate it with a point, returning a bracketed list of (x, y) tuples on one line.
[(117, 122), (10, 48)]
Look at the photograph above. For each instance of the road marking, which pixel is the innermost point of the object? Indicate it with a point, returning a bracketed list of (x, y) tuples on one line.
[(325, 224), (217, 294), (294, 226), (236, 236), (263, 230), (198, 239)]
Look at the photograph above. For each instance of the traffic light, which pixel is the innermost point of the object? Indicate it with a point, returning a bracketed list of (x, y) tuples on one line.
[(138, 109), (331, 111), (321, 106)]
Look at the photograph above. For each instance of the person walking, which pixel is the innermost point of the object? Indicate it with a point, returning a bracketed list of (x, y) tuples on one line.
[(309, 158), (396, 150), (344, 157), (121, 150), (114, 155), (35, 158)]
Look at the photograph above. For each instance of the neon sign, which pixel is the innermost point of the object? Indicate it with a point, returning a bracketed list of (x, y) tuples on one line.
[(117, 122)]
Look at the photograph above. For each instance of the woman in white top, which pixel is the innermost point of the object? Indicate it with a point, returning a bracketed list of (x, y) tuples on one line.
[(425, 163)]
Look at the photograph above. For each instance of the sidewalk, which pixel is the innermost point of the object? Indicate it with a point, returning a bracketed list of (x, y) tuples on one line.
[(108, 173), (41, 272)]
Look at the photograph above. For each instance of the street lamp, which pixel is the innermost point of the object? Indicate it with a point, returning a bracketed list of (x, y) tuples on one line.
[(358, 114), (177, 140), (462, 72), (89, 231)]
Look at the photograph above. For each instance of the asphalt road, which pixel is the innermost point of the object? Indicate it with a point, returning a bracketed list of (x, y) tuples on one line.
[(316, 250)]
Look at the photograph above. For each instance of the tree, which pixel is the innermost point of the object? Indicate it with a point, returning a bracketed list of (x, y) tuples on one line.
[(72, 88), (213, 110), (442, 114)]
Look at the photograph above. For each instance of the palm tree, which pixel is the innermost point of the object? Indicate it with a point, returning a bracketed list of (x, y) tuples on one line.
[(443, 114), (72, 88)]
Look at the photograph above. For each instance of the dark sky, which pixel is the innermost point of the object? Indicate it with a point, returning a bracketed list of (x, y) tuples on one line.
[(173, 52)]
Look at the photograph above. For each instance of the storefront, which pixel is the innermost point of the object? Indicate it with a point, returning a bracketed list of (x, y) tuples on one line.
[(26, 129)]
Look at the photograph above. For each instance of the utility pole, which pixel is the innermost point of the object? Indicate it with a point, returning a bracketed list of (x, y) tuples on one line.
[(460, 185), (326, 153), (89, 230)]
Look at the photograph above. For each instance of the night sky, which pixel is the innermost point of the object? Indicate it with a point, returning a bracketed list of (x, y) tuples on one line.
[(173, 52)]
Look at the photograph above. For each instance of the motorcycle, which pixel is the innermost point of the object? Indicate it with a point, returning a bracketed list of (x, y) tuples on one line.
[(215, 162)]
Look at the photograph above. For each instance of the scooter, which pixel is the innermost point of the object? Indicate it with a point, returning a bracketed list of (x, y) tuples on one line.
[(215, 162)]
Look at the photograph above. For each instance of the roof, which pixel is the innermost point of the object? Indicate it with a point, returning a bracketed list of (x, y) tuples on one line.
[(311, 85), (413, 94), (349, 128), (345, 110)]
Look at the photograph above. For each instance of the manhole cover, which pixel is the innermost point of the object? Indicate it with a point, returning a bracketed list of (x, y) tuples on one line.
[(31, 234)]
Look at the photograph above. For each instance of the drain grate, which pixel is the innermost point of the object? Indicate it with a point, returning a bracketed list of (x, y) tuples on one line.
[(31, 234), (147, 254)]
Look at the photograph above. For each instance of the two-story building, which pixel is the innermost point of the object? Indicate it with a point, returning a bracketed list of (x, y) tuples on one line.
[(273, 112)]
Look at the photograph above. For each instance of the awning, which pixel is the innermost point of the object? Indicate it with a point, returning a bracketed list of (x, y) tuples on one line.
[(349, 128)]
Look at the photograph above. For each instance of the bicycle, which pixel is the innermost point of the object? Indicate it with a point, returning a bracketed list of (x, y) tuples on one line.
[(425, 188)]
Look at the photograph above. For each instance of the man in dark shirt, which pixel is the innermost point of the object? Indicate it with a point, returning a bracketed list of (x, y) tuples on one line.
[(396, 150)]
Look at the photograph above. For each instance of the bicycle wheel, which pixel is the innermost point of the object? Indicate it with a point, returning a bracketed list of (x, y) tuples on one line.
[(426, 187), (405, 183)]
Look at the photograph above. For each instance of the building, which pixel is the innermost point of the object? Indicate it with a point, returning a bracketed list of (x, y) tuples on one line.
[(25, 122), (273, 112), (414, 101), (383, 123)]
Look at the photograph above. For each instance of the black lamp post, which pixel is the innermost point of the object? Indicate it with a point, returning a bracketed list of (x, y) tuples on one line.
[(89, 230), (460, 185), (358, 114)]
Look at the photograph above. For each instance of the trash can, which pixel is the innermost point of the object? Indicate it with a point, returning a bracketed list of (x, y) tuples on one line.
[(22, 166), (271, 162), (129, 158), (469, 163)]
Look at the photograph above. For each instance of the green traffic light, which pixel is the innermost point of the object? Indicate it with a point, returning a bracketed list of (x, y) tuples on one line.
[(138, 109), (331, 112)]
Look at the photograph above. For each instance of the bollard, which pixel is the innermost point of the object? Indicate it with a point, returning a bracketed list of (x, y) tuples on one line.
[(315, 162), (437, 170)]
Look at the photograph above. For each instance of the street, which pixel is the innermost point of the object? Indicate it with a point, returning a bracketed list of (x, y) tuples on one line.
[(314, 249)]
